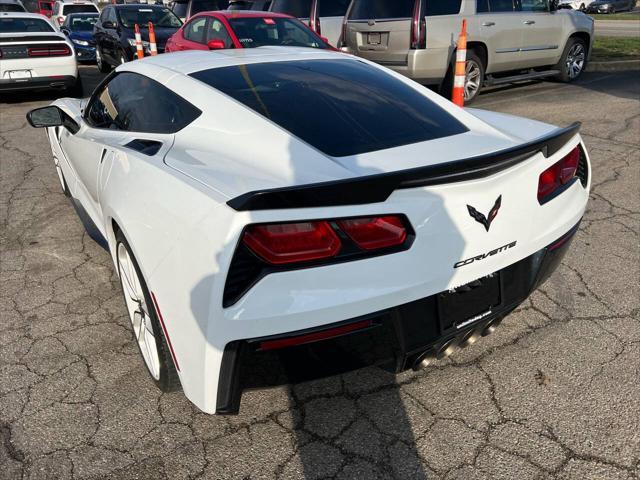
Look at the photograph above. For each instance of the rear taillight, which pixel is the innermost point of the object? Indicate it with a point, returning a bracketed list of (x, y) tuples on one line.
[(372, 233), (558, 175), (53, 51), (284, 243), (60, 20), (418, 27)]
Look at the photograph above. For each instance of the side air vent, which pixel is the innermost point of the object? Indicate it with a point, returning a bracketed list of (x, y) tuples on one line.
[(583, 170), (148, 147)]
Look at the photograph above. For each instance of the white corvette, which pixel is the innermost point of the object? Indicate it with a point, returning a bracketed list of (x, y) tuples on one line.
[(279, 214)]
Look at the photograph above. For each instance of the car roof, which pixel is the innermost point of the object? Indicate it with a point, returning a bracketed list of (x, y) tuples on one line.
[(79, 2), (187, 62), (83, 14), (13, 2), (136, 6)]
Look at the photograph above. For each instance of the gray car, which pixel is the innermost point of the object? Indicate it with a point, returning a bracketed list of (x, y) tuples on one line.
[(508, 40)]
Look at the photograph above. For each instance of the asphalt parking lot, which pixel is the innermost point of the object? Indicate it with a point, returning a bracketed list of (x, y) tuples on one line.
[(554, 393)]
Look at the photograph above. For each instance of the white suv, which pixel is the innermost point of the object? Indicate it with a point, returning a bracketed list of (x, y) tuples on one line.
[(62, 8)]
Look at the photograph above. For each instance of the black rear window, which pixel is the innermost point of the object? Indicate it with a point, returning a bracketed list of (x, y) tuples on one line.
[(341, 107), (332, 8), (372, 9), (24, 24), (11, 7), (68, 9), (198, 6), (295, 8)]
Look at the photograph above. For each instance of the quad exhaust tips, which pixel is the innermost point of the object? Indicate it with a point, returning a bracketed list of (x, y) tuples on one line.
[(453, 344)]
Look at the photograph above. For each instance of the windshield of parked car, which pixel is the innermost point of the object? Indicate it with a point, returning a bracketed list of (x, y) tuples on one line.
[(11, 7), (17, 25), (259, 32), (339, 106), (82, 23), (380, 9), (160, 17), (88, 8), (198, 6)]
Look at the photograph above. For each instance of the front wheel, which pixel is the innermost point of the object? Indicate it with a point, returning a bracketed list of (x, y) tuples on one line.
[(147, 331), (573, 60)]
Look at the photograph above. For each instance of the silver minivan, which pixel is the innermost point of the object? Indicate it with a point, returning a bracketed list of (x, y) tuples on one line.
[(325, 17), (508, 40)]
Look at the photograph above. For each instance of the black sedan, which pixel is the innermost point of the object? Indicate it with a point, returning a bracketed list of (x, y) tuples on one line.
[(115, 35)]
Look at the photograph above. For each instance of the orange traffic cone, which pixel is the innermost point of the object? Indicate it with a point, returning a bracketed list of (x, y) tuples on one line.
[(152, 40), (459, 79), (139, 50)]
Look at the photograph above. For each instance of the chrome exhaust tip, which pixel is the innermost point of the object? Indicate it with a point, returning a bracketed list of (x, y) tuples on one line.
[(447, 348), (491, 327), (424, 360), (469, 338)]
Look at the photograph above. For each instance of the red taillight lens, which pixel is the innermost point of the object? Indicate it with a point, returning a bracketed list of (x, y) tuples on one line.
[(284, 243), (418, 27), (57, 51), (60, 20), (375, 232), (558, 174)]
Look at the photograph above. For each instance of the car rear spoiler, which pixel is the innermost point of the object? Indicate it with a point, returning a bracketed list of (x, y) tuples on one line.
[(378, 187)]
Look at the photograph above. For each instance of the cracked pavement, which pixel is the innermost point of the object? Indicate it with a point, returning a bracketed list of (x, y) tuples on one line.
[(554, 393)]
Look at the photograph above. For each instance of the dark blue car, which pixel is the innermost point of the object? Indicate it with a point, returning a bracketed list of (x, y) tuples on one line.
[(79, 28)]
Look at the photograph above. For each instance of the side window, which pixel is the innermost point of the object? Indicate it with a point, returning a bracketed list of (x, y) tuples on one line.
[(482, 6), (501, 5), (56, 8), (133, 102), (534, 5), (194, 30), (332, 8), (217, 31), (113, 18), (450, 7)]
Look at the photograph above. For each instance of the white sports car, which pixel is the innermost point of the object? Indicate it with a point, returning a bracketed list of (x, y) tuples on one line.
[(35, 55), (280, 214)]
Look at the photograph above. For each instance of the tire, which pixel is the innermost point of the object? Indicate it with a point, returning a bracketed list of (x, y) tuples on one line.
[(573, 60), (76, 91), (141, 310), (103, 66), (475, 64)]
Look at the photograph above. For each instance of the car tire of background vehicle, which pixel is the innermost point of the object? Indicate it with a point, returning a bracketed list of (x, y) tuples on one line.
[(147, 331), (573, 60), (103, 66), (76, 91), (475, 67)]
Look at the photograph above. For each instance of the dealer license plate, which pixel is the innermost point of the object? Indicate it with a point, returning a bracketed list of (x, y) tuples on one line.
[(474, 301), (16, 74)]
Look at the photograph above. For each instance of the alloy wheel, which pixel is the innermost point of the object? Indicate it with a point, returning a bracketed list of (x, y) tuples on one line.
[(138, 311), (575, 60), (473, 78)]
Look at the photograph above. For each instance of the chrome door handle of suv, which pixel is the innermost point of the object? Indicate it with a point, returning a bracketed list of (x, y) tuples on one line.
[(488, 24), (529, 22)]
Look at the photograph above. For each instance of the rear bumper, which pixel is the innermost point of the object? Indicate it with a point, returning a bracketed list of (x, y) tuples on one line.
[(395, 339), (37, 83)]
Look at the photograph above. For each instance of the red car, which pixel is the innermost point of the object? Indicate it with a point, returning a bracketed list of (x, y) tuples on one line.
[(243, 29)]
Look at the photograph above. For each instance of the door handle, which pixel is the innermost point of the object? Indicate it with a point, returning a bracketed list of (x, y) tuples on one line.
[(488, 24), (529, 22)]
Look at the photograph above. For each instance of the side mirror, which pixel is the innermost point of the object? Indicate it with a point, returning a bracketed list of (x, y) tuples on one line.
[(216, 45), (65, 31), (553, 5), (108, 24), (51, 116)]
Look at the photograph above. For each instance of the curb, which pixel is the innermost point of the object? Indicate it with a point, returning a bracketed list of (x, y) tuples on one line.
[(614, 66)]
